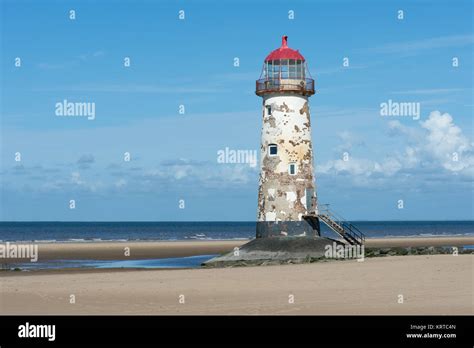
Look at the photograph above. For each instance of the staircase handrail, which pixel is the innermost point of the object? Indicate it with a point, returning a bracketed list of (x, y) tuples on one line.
[(348, 228)]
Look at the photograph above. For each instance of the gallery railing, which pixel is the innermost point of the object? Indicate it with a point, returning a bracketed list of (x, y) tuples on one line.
[(303, 86)]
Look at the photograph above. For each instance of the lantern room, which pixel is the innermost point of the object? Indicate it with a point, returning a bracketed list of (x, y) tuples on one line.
[(285, 70)]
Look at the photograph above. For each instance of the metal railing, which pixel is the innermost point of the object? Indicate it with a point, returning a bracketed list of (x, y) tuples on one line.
[(303, 86), (348, 229)]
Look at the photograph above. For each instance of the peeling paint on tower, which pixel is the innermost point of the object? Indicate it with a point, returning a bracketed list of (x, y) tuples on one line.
[(286, 188)]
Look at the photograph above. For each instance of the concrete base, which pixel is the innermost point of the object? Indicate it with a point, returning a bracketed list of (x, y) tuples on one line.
[(270, 229), (275, 250)]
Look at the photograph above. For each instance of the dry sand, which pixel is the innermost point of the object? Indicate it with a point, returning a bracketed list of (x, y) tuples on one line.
[(430, 284)]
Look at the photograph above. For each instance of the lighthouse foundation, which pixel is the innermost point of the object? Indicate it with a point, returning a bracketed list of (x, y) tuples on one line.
[(277, 250), (302, 228)]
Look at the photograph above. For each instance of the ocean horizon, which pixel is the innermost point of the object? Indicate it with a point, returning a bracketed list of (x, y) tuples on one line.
[(57, 231)]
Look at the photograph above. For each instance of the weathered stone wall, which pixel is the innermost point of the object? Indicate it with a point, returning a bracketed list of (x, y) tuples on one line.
[(284, 197)]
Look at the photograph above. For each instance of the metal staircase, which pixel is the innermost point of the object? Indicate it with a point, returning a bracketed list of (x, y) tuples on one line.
[(340, 225)]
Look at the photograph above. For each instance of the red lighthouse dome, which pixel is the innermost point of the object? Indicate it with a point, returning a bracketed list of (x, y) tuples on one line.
[(284, 52), (285, 71)]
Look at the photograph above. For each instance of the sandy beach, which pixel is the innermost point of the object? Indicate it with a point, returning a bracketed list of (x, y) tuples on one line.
[(429, 284), (164, 249), (138, 250)]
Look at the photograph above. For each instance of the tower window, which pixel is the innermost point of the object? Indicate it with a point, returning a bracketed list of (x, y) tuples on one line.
[(269, 110), (293, 169), (272, 150)]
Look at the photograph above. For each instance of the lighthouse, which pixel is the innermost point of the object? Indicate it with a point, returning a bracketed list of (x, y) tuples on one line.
[(288, 216), (287, 204)]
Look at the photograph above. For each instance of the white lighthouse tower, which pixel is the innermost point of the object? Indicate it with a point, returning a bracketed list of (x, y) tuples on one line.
[(287, 204)]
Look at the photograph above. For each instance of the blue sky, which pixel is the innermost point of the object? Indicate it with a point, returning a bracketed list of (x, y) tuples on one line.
[(190, 62)]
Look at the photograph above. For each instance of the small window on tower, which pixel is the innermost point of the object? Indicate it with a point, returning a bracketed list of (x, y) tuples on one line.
[(269, 110), (272, 150), (293, 169)]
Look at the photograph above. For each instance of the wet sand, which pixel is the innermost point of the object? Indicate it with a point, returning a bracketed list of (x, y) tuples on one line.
[(166, 249)]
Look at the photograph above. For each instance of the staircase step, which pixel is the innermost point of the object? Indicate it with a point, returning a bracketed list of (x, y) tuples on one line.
[(343, 228)]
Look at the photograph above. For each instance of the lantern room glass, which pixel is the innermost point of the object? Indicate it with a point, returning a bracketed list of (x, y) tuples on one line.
[(292, 69)]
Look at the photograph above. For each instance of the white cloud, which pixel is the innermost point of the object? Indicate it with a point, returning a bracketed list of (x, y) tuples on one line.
[(447, 144), (349, 141), (80, 183), (203, 173), (120, 183), (424, 150), (436, 147), (360, 167), (396, 128)]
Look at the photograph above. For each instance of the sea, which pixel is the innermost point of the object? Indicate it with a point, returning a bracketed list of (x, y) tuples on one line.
[(86, 232), (96, 232)]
